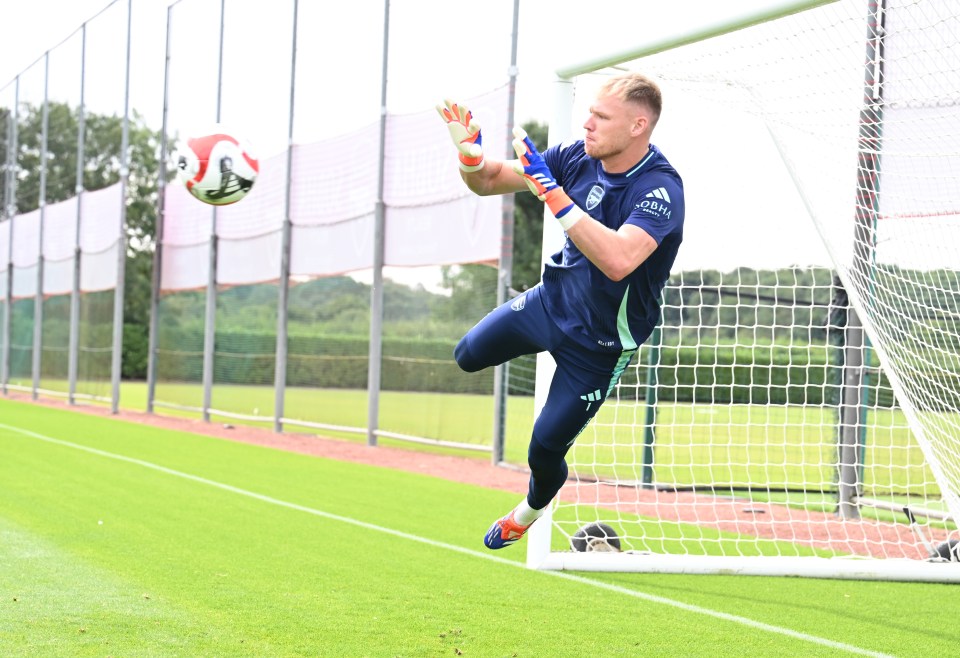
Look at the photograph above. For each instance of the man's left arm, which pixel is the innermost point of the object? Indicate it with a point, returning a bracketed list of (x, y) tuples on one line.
[(615, 253)]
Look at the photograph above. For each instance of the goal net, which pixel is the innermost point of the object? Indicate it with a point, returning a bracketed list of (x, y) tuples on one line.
[(797, 411)]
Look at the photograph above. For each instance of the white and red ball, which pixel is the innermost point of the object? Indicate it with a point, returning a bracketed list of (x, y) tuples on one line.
[(216, 167)]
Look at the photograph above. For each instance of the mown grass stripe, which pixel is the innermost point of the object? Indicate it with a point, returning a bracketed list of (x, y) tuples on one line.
[(736, 619)]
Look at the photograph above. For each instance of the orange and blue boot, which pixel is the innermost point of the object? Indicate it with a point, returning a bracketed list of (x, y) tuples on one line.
[(503, 532)]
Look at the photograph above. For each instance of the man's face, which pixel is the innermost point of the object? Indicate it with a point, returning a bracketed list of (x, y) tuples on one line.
[(610, 127)]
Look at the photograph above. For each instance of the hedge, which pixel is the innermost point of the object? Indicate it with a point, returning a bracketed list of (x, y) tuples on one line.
[(724, 374)]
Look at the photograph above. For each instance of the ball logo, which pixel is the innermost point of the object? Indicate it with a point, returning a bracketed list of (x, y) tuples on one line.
[(216, 168)]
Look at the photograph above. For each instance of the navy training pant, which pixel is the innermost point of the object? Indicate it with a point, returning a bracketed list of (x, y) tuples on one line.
[(581, 383)]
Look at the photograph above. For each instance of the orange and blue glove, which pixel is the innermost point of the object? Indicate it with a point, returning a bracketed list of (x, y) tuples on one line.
[(465, 133), (541, 182)]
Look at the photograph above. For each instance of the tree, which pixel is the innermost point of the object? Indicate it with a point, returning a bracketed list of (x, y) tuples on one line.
[(101, 168), (473, 290)]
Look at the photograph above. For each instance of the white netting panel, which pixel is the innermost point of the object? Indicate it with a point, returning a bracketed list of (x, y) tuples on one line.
[(728, 443)]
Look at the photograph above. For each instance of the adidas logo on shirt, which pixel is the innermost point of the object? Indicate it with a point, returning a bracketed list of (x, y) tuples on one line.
[(659, 193), (655, 203)]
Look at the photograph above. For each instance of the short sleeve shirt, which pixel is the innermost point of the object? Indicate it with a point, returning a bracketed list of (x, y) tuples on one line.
[(597, 312)]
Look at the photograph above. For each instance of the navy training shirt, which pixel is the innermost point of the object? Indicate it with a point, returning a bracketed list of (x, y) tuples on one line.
[(597, 312)]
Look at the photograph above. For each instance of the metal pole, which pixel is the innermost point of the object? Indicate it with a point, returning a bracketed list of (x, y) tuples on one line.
[(863, 409), (11, 212), (501, 372), (650, 425), (73, 356), (849, 451), (118, 294), (210, 319), (42, 202), (280, 365), (686, 33), (7, 175), (209, 324), (867, 201), (379, 241), (155, 279)]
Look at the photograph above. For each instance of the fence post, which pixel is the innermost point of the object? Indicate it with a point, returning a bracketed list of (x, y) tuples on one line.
[(650, 399), (501, 373), (37, 355), (376, 291), (117, 364), (156, 278), (210, 316), (73, 351), (849, 449), (283, 301), (11, 198)]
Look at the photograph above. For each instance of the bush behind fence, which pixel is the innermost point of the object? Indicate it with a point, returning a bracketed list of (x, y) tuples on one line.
[(720, 374)]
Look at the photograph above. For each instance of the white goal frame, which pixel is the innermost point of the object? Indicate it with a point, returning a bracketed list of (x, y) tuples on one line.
[(539, 553)]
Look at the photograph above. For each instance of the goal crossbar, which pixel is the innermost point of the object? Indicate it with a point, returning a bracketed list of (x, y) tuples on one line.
[(682, 37)]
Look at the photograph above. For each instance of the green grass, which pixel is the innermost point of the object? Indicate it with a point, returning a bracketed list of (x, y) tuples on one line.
[(156, 543), (460, 418), (695, 443)]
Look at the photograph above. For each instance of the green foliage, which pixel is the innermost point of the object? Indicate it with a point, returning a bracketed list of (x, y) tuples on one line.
[(328, 334), (754, 305), (103, 137), (472, 291), (736, 342), (528, 225), (61, 155)]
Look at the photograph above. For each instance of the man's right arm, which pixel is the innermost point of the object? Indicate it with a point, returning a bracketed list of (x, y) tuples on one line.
[(497, 177)]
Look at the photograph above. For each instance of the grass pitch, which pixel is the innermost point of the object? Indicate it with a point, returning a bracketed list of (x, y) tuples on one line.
[(123, 540)]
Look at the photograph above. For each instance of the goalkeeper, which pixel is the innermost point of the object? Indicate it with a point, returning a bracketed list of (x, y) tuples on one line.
[(621, 206)]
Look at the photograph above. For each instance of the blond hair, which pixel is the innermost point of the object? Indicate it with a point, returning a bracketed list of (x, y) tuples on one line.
[(636, 88)]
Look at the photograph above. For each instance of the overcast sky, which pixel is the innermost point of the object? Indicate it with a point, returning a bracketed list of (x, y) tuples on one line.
[(551, 35), (431, 57)]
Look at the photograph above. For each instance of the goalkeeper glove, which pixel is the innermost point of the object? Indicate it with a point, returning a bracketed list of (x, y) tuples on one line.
[(541, 182), (465, 133)]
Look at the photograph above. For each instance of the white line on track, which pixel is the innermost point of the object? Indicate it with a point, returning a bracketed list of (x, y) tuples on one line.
[(743, 621)]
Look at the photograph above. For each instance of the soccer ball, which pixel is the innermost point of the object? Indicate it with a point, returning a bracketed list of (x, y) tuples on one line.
[(216, 167), (595, 538), (948, 551)]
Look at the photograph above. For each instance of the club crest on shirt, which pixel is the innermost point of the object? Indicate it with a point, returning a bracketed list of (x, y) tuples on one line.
[(593, 199)]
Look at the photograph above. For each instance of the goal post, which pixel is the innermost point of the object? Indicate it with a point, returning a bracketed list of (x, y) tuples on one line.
[(797, 411)]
